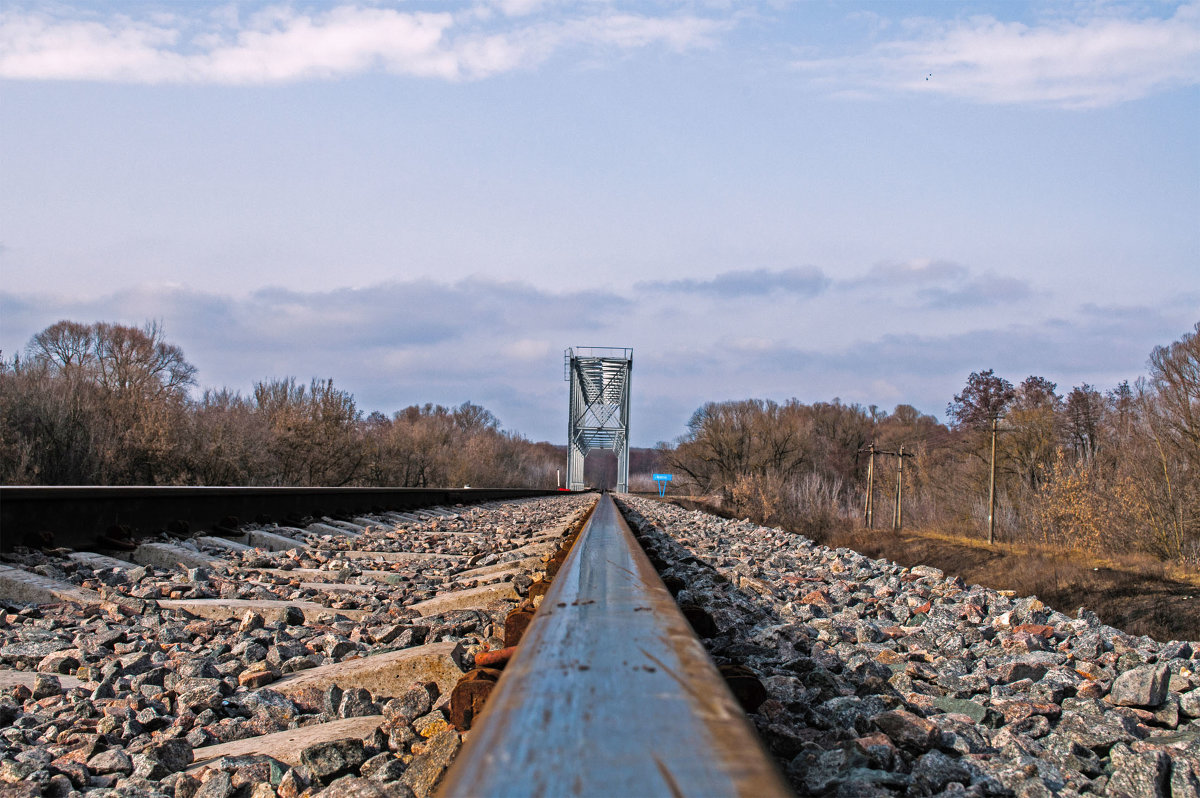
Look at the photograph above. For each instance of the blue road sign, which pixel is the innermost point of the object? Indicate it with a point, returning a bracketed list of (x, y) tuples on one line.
[(662, 480), (662, 477)]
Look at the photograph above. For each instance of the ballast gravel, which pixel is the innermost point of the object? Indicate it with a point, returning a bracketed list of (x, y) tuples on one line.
[(124, 692), (880, 680), (884, 681)]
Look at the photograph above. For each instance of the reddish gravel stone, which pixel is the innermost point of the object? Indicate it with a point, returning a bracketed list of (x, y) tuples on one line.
[(815, 597), (1036, 629), (907, 730), (258, 678)]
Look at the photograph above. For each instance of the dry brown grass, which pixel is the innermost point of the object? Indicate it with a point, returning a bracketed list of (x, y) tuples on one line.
[(1134, 592)]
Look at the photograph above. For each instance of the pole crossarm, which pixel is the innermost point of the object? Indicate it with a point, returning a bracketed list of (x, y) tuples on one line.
[(598, 415)]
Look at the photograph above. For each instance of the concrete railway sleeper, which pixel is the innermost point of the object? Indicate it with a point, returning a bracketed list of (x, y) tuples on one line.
[(316, 658)]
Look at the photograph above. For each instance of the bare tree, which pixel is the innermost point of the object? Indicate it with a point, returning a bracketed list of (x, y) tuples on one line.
[(111, 407), (1175, 376), (1033, 425), (983, 400), (315, 438), (131, 360), (65, 346), (1085, 415), (473, 419)]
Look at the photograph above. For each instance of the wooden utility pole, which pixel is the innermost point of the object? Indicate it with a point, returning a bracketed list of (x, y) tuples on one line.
[(869, 501), (898, 515), (992, 488), (869, 505)]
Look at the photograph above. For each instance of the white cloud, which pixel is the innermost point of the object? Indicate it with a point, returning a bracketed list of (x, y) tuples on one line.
[(528, 349), (343, 41), (918, 271), (807, 281), (519, 8), (37, 46), (931, 283), (282, 44), (1093, 62)]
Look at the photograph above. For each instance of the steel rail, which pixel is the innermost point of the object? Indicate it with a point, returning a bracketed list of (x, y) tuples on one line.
[(610, 693), (76, 515)]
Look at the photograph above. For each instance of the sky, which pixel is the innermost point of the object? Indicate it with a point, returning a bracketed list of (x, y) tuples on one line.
[(430, 201)]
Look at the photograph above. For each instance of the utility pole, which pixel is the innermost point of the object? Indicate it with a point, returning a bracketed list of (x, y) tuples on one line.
[(869, 505), (898, 516), (869, 502), (992, 488)]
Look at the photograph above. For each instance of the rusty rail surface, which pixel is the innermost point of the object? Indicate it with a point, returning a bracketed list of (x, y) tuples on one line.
[(610, 693)]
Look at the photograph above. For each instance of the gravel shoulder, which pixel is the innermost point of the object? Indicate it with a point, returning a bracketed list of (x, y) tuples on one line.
[(884, 680), (1137, 594)]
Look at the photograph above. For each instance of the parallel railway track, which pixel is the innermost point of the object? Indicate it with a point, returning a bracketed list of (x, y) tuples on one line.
[(82, 517), (609, 677)]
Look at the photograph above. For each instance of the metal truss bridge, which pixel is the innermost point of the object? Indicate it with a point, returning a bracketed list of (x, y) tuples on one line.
[(599, 408)]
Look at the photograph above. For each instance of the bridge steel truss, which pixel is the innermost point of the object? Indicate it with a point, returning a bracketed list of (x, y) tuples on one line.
[(599, 408)]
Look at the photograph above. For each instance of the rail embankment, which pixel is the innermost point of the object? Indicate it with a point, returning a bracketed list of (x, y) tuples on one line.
[(1137, 593), (883, 680)]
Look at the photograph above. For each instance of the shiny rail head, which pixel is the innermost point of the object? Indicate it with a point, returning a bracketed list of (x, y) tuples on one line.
[(610, 693)]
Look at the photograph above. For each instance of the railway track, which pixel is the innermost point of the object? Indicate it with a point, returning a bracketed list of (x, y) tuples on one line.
[(281, 659), (350, 658), (84, 517), (356, 656), (611, 693)]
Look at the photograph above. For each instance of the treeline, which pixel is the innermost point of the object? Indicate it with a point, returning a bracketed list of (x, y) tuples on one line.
[(1105, 470), (107, 404)]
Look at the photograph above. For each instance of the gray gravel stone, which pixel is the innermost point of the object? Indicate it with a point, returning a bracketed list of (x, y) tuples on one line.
[(45, 685), (1185, 777), (356, 787), (413, 704), (33, 652), (425, 771), (112, 761), (334, 758), (174, 755), (933, 771), (1189, 703), (1139, 774), (65, 661), (357, 703), (1143, 686), (219, 785)]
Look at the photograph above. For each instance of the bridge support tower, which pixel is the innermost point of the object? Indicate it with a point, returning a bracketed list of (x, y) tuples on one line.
[(599, 408)]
